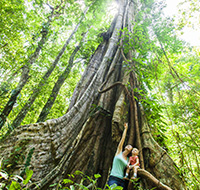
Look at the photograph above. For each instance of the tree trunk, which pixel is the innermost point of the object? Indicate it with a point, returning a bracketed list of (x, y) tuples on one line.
[(17, 121), (25, 73), (61, 79), (86, 137)]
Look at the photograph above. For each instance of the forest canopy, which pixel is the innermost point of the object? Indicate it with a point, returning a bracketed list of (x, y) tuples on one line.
[(46, 46)]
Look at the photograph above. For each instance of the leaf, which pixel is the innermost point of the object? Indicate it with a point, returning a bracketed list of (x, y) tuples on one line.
[(29, 174), (115, 187), (14, 186), (1, 163), (52, 185), (67, 181), (71, 175), (97, 176), (77, 172), (82, 186), (9, 165)]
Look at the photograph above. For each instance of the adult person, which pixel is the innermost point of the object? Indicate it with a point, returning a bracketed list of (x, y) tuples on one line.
[(120, 162)]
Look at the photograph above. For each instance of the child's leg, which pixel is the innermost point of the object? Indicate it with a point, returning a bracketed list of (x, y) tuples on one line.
[(135, 171), (127, 171)]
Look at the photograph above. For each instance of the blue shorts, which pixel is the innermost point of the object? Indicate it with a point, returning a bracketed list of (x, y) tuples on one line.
[(117, 181)]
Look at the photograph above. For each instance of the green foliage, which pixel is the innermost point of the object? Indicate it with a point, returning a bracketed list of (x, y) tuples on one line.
[(15, 186), (29, 174), (177, 92), (88, 182), (15, 182), (168, 73), (85, 182), (188, 14), (17, 156), (27, 163), (20, 34)]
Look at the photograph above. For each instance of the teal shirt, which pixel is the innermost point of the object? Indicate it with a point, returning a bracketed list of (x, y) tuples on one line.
[(118, 166)]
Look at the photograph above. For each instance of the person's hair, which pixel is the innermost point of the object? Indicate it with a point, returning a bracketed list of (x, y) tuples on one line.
[(129, 154), (136, 149)]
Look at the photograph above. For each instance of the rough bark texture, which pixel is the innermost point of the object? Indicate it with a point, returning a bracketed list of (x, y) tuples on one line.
[(86, 137)]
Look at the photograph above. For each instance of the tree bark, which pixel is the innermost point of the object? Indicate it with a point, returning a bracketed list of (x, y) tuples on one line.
[(156, 182), (86, 137)]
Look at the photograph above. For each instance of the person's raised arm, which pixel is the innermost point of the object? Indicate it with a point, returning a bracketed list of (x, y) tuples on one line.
[(120, 145)]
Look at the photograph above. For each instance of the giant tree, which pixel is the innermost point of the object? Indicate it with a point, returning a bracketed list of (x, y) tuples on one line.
[(85, 138)]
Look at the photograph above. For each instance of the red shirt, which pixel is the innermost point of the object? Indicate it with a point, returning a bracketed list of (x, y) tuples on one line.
[(133, 160)]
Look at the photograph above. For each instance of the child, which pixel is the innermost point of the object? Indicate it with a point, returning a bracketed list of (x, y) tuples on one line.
[(133, 164)]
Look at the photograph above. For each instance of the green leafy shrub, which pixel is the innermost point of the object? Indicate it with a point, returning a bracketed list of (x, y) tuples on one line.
[(14, 182)]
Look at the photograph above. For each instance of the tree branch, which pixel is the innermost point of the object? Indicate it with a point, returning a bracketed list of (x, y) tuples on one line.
[(145, 174)]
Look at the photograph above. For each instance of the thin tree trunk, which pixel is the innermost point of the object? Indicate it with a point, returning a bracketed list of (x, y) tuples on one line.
[(25, 74), (21, 115), (47, 107)]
